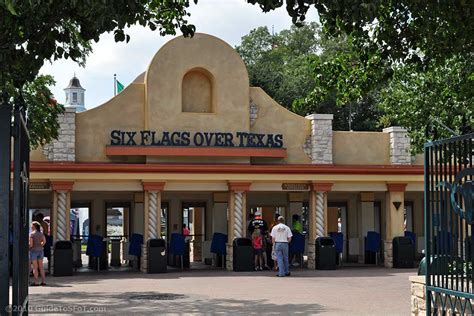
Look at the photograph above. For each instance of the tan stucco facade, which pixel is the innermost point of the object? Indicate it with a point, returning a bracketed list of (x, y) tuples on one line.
[(201, 85)]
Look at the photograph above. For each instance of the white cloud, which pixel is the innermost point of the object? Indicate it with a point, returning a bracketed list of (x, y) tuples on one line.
[(226, 19)]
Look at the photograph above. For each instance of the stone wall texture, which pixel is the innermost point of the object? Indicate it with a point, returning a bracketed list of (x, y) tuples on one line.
[(63, 149), (144, 259), (311, 256), (229, 264), (418, 300), (321, 138), (388, 253), (399, 145), (253, 112)]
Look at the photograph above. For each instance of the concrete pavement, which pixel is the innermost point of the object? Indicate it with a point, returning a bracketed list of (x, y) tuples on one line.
[(346, 291)]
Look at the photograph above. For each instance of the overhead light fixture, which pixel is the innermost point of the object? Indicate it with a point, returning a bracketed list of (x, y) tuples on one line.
[(397, 204)]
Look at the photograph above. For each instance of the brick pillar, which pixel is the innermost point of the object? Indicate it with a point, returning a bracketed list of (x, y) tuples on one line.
[(64, 147), (394, 218), (151, 217), (399, 145), (317, 217), (237, 219), (321, 138), (61, 215)]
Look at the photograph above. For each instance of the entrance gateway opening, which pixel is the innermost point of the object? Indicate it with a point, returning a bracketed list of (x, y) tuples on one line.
[(118, 218)]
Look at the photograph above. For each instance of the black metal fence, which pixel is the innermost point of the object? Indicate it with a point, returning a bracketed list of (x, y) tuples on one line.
[(14, 229), (449, 243)]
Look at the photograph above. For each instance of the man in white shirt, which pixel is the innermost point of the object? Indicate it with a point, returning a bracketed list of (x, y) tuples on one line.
[(281, 237)]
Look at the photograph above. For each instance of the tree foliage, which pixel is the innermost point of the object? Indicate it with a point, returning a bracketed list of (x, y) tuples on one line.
[(32, 32), (413, 57), (278, 62), (293, 67), (400, 30), (441, 94), (44, 128)]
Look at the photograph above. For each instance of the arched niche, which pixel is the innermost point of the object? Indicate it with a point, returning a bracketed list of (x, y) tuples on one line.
[(197, 91)]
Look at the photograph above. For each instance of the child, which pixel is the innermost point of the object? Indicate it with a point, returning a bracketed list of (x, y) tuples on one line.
[(257, 244)]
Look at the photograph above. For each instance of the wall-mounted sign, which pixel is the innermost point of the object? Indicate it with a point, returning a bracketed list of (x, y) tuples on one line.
[(197, 139), (295, 186), (34, 186)]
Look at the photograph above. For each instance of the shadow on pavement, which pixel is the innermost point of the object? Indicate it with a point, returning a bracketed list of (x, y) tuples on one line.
[(345, 272), (127, 303)]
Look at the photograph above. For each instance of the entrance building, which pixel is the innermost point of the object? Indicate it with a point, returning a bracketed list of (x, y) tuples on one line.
[(190, 142)]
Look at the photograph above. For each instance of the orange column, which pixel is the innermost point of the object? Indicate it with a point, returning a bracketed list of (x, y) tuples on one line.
[(394, 218)]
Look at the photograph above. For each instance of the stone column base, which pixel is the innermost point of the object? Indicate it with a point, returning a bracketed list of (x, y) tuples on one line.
[(229, 264), (311, 256), (144, 259), (388, 253), (52, 260), (418, 300)]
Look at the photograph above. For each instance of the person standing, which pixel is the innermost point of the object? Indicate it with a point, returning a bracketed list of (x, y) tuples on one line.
[(297, 226), (273, 224), (281, 237), (186, 231), (49, 240), (258, 222), (36, 243), (257, 244)]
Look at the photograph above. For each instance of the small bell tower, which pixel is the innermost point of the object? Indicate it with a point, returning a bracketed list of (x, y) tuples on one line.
[(75, 95)]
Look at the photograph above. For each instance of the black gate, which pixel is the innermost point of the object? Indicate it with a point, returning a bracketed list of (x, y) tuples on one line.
[(449, 235), (14, 216)]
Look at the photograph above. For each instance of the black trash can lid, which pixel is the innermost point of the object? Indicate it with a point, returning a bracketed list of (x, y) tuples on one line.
[(402, 240), (152, 243), (239, 242), (63, 244), (325, 241)]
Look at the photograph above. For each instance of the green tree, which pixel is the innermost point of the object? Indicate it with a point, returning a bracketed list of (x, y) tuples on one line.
[(32, 32), (42, 107), (292, 66), (400, 30), (401, 51), (278, 62), (441, 93), (339, 81)]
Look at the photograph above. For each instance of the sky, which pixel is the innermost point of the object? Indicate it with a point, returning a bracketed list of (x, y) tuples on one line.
[(226, 19)]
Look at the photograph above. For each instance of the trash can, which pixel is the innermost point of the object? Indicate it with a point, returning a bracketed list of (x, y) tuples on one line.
[(403, 252), (243, 254), (156, 249), (62, 257), (325, 253)]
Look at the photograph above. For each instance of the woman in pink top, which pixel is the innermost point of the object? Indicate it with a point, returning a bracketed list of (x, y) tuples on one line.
[(36, 243), (185, 231), (257, 244)]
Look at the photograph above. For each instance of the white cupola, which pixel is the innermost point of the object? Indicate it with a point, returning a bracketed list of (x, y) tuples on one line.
[(75, 95)]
